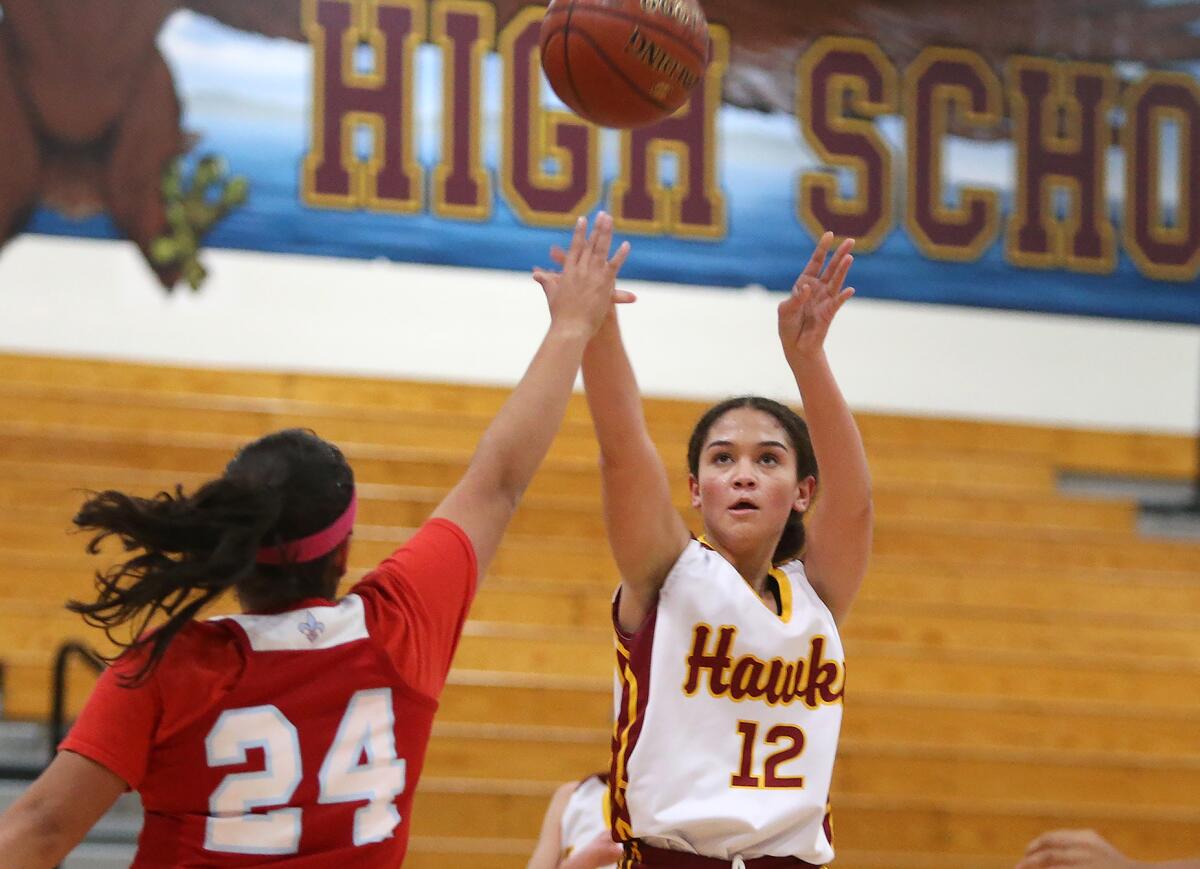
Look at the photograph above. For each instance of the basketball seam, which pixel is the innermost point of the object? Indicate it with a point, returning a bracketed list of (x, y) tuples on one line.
[(633, 86), (641, 22), (566, 36)]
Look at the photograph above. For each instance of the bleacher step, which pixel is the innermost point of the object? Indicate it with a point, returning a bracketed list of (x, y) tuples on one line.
[(95, 855)]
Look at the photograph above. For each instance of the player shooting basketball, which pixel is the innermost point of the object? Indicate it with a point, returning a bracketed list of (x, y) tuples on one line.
[(728, 649)]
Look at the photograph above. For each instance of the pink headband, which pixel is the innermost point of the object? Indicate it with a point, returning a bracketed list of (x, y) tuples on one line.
[(313, 546)]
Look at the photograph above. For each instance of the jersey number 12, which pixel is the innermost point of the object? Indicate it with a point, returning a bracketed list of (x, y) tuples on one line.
[(791, 742), (366, 734)]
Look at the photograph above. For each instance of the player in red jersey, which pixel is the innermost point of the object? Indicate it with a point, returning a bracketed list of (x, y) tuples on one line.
[(292, 734)]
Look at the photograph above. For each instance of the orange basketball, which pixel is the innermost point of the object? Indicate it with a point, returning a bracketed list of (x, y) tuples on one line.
[(624, 63)]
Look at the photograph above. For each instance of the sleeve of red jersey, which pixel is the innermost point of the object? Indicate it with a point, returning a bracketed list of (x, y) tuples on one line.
[(117, 725), (417, 601)]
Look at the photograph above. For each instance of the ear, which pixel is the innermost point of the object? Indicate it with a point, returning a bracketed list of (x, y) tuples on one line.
[(806, 490), (694, 490)]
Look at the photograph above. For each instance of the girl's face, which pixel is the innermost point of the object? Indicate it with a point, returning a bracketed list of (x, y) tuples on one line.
[(746, 485)]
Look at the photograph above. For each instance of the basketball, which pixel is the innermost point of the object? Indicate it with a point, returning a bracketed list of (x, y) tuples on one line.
[(624, 63)]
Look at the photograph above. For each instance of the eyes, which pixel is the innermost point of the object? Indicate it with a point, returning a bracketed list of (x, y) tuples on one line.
[(768, 458)]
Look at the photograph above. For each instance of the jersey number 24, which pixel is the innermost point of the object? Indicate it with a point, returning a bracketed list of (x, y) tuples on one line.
[(366, 733)]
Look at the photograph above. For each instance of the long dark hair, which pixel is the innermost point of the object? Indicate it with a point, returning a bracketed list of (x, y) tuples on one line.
[(192, 548), (791, 543)]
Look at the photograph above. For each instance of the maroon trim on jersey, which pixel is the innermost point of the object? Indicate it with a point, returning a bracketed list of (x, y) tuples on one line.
[(633, 667), (827, 823), (662, 858)]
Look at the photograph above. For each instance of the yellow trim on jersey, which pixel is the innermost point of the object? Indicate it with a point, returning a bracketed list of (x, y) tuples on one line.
[(785, 594), (781, 581), (622, 781)]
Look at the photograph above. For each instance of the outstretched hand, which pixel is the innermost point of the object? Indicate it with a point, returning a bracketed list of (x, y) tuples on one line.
[(586, 288), (1081, 849), (817, 296)]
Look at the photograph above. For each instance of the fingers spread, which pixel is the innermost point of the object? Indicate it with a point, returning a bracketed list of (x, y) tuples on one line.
[(818, 258), (578, 240), (602, 234), (843, 249), (839, 273), (846, 295), (619, 257), (803, 291)]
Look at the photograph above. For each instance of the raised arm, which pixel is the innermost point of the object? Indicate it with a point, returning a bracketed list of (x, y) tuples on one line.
[(839, 532), (645, 530), (512, 448)]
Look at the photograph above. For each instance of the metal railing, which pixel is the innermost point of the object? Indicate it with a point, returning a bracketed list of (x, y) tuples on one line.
[(58, 689), (1189, 508)]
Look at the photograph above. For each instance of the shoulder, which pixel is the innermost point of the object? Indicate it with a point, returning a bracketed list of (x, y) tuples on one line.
[(440, 537), (203, 661), (697, 565), (198, 644), (206, 636), (795, 572), (439, 547), (560, 799), (794, 569), (696, 557), (589, 786)]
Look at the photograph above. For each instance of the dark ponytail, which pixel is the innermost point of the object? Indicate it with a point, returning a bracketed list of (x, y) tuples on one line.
[(791, 541), (193, 548)]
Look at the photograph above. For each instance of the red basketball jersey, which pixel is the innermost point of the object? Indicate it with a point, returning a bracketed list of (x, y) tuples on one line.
[(296, 738)]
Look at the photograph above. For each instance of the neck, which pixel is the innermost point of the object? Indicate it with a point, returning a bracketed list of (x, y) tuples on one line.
[(753, 565), (260, 603)]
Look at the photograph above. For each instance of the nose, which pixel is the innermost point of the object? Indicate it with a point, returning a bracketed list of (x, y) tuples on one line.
[(743, 477)]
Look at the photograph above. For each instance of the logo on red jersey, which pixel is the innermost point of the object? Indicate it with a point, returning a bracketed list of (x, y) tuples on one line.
[(310, 627)]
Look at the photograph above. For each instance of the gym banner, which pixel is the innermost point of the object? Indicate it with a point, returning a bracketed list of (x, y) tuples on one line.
[(1032, 154)]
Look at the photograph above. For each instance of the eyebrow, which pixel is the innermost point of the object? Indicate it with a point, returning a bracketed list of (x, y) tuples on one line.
[(778, 444)]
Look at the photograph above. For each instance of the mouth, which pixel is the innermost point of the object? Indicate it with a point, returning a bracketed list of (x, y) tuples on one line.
[(743, 507)]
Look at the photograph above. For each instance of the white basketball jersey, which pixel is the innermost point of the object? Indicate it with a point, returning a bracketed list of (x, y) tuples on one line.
[(729, 717), (584, 817)]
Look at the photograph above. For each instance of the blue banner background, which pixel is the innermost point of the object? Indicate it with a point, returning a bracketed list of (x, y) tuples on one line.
[(247, 98)]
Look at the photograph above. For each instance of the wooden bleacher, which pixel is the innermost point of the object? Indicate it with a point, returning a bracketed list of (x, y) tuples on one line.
[(1018, 660)]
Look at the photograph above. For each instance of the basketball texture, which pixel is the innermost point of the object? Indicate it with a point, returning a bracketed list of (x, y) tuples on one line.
[(624, 63)]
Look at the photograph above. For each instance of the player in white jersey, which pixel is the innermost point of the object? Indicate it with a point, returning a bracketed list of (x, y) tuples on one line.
[(730, 663), (576, 831)]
